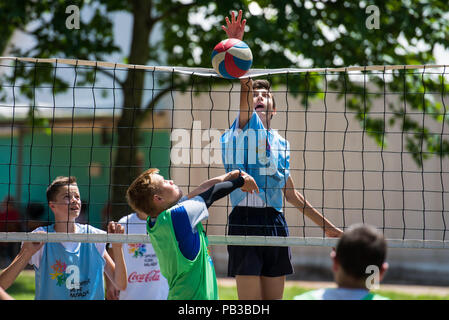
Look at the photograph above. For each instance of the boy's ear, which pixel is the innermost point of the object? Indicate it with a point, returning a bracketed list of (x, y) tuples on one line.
[(51, 205), (335, 264), (383, 270)]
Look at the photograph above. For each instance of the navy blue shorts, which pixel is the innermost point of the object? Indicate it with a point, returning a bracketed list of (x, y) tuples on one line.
[(258, 260)]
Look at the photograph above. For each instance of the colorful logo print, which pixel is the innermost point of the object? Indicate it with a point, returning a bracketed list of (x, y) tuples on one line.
[(59, 274), (136, 249)]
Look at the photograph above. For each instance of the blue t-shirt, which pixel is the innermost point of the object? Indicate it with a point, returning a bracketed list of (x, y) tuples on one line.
[(339, 294), (261, 153), (70, 275)]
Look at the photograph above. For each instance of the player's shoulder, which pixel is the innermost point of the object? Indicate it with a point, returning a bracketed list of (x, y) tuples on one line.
[(311, 295), (191, 203), (129, 218), (48, 228), (375, 296), (275, 132), (86, 228)]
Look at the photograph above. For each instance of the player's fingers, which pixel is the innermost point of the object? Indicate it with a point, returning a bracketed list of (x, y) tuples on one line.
[(225, 30), (256, 186), (239, 17), (111, 227), (257, 189)]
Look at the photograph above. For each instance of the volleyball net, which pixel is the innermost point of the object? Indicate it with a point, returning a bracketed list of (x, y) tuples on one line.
[(368, 144)]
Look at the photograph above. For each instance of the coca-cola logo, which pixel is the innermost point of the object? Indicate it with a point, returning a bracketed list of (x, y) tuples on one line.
[(153, 275)]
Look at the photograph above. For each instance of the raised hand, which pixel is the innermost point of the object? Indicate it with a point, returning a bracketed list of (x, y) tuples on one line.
[(30, 248), (236, 27), (114, 227)]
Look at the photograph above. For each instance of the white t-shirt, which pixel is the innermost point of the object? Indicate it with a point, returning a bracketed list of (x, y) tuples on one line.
[(70, 246), (145, 281)]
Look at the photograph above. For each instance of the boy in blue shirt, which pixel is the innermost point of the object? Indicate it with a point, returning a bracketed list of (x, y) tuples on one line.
[(253, 146), (71, 270)]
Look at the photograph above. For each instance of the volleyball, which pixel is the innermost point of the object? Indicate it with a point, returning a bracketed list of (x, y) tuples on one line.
[(232, 58)]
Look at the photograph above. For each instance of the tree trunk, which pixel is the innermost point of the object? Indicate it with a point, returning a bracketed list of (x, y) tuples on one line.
[(125, 164)]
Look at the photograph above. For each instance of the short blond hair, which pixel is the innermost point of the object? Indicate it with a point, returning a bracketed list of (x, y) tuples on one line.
[(141, 191)]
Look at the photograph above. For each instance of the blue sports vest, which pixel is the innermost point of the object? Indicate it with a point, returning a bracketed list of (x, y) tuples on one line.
[(64, 275), (261, 153)]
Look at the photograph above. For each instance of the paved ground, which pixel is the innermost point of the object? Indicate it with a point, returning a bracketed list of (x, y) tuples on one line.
[(410, 289)]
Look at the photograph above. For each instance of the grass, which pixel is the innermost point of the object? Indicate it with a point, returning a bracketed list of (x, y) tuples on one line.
[(23, 289)]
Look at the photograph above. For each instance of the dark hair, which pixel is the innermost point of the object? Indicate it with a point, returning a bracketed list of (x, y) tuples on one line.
[(264, 84), (53, 188), (359, 247)]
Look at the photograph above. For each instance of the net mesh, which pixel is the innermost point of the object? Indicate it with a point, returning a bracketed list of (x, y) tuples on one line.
[(367, 144)]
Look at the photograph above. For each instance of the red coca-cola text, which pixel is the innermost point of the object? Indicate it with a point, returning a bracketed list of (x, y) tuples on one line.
[(153, 275)]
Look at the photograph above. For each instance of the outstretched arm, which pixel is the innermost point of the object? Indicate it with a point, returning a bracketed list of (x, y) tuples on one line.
[(235, 28), (297, 199), (246, 101), (189, 214), (249, 185), (116, 270)]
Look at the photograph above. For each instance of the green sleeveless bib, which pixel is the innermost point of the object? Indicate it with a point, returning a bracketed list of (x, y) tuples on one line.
[(187, 279)]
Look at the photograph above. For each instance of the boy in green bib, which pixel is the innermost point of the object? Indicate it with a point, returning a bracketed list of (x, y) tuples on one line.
[(358, 263), (175, 229)]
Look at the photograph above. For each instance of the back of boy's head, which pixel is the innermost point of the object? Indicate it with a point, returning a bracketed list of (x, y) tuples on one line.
[(141, 191), (54, 187), (264, 84), (359, 247)]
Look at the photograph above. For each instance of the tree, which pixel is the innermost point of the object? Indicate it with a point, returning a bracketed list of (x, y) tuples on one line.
[(324, 33)]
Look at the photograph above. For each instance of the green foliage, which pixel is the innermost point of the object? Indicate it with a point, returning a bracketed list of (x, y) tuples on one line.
[(281, 34)]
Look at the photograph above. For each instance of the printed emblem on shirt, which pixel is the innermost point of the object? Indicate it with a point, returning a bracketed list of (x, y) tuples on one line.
[(136, 250), (59, 273), (263, 151), (69, 276)]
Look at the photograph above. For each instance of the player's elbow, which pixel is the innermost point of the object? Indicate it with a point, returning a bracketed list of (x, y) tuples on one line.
[(289, 195), (120, 280)]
